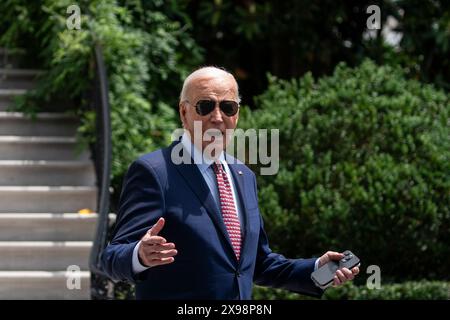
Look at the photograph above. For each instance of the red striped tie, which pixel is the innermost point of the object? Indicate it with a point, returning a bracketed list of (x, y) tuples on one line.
[(229, 214)]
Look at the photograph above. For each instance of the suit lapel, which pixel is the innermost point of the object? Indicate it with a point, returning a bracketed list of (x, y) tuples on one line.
[(197, 184)]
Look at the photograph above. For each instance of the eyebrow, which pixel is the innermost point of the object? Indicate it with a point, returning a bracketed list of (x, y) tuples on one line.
[(205, 96)]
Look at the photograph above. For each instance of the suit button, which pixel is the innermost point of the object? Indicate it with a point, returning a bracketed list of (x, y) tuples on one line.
[(238, 274)]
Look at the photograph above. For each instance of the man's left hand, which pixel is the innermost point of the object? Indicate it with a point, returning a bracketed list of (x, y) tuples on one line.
[(342, 275)]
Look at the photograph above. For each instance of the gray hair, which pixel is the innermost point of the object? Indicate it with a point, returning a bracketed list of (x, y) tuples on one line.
[(203, 71)]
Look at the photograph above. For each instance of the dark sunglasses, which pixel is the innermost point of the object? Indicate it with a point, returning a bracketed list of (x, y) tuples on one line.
[(228, 107)]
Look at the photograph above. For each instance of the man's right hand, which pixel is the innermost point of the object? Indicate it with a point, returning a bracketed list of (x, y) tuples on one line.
[(154, 250)]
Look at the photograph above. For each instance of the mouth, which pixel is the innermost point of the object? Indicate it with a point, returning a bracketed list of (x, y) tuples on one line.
[(214, 132)]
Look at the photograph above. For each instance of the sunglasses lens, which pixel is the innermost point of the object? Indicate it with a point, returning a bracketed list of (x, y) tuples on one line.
[(205, 106), (230, 108)]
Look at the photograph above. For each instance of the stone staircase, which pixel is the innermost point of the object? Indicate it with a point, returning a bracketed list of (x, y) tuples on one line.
[(44, 182)]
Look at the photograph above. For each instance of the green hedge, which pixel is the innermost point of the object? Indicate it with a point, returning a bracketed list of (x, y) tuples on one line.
[(419, 290), (364, 165)]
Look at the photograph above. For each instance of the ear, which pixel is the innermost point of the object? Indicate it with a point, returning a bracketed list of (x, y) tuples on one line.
[(182, 112)]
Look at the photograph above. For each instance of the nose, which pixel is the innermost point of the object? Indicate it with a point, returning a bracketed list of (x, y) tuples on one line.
[(216, 115)]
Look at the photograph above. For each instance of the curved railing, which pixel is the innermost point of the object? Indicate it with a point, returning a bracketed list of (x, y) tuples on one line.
[(102, 159)]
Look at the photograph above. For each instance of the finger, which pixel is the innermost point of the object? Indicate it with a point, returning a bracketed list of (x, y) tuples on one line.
[(328, 256), (160, 262), (336, 281), (355, 271), (163, 254), (161, 247), (154, 240), (347, 273), (333, 255), (157, 227), (341, 276)]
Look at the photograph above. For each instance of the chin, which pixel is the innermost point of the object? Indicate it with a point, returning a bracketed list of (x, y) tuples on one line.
[(212, 147)]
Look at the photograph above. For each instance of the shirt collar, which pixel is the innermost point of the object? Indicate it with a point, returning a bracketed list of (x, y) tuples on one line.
[(202, 162)]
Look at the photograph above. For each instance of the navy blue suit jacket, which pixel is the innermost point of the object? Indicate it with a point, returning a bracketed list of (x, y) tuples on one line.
[(205, 266)]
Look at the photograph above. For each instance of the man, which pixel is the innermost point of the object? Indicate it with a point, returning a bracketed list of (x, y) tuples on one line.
[(194, 230)]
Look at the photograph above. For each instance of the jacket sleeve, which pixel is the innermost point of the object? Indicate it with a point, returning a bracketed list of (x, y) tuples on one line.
[(141, 205), (274, 270)]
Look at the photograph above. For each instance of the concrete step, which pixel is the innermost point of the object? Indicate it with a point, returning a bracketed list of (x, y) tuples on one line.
[(46, 173), (45, 124), (14, 199), (47, 226), (42, 285), (20, 74), (18, 78), (7, 96), (44, 255), (40, 148), (8, 59)]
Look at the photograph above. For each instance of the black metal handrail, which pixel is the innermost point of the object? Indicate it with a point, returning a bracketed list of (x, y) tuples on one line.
[(103, 156)]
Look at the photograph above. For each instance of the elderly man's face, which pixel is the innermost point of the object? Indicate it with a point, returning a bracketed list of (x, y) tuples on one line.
[(216, 88)]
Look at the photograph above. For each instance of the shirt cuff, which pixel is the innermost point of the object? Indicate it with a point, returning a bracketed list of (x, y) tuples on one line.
[(137, 266), (316, 264)]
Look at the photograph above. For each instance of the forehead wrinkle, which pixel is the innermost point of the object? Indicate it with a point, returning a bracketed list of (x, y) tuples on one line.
[(212, 87)]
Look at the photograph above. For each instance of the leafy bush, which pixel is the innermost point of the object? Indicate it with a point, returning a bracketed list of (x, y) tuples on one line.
[(421, 290), (364, 165), (142, 48)]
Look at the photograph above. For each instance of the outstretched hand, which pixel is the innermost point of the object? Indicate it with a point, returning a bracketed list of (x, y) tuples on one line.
[(154, 250), (342, 275)]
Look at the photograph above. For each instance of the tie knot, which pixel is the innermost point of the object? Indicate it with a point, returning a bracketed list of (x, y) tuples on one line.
[(217, 166)]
